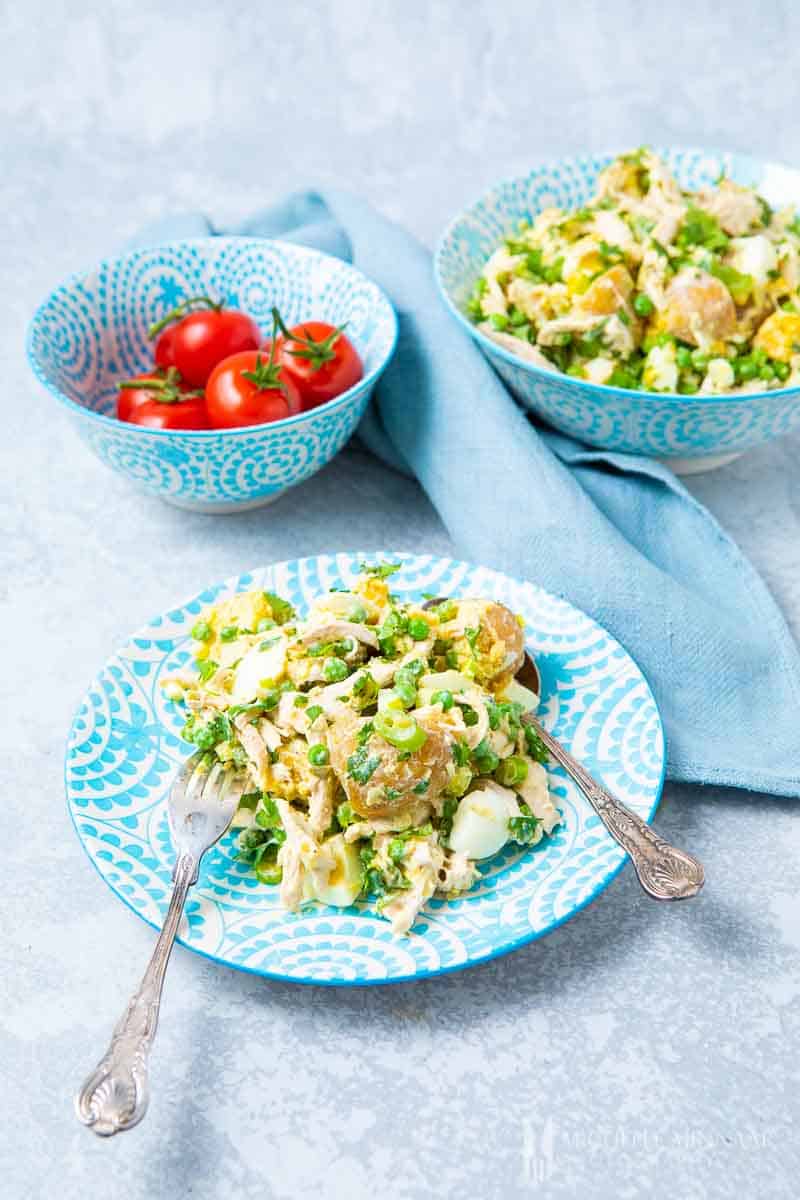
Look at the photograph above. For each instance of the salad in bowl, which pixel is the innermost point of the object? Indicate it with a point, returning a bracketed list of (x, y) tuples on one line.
[(646, 302), (652, 286), (383, 740)]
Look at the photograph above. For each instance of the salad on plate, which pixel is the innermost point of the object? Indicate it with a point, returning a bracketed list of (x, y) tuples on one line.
[(652, 287), (383, 739)]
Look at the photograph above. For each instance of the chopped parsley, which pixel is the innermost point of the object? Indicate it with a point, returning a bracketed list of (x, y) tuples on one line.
[(448, 812), (523, 828), (379, 570), (472, 636), (534, 745), (485, 758), (259, 845), (281, 610), (346, 815), (461, 752), (361, 765)]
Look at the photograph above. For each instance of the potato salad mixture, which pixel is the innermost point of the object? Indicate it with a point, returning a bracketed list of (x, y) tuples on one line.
[(383, 739), (652, 287)]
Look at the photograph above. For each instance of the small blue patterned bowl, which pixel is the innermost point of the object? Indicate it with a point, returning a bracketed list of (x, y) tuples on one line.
[(92, 331), (691, 432)]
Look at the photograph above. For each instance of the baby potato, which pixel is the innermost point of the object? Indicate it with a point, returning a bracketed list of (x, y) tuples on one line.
[(699, 307), (496, 652), (779, 336), (379, 778), (608, 293)]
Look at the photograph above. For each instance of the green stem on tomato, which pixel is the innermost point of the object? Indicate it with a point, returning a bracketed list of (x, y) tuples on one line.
[(267, 375), (316, 353), (165, 390), (180, 311)]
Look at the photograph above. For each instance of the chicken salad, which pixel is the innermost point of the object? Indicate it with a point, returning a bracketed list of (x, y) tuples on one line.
[(384, 740), (651, 287)]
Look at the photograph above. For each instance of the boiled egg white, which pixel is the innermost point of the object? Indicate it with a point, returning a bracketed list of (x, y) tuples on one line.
[(344, 880), (480, 825), (257, 665)]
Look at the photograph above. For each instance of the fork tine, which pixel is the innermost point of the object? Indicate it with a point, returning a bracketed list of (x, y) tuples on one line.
[(210, 785)]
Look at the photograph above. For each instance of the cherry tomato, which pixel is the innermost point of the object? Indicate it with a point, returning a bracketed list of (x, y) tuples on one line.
[(247, 389), (182, 414), (319, 359), (133, 393), (199, 340), (161, 400), (165, 348)]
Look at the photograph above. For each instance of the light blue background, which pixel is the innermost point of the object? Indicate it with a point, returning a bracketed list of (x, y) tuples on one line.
[(637, 1051)]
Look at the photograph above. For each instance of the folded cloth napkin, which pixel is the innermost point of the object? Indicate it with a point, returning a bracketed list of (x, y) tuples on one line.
[(616, 534)]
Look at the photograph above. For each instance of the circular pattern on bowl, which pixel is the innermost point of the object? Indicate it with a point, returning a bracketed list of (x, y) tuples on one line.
[(124, 748), (667, 426), (92, 331)]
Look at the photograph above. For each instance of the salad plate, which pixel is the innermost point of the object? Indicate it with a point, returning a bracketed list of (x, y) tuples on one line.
[(125, 746)]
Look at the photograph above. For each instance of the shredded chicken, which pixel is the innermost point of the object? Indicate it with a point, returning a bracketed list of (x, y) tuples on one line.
[(735, 207), (255, 748), (320, 804), (423, 864), (300, 856)]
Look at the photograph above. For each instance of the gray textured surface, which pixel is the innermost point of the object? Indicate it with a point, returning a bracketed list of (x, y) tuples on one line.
[(636, 1051)]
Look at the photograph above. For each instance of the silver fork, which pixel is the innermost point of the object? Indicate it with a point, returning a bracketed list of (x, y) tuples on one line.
[(202, 802)]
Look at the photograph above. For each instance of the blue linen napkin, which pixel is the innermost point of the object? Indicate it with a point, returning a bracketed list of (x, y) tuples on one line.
[(616, 534)]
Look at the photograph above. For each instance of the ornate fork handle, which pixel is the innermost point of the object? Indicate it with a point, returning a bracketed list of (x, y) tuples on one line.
[(664, 872), (116, 1094)]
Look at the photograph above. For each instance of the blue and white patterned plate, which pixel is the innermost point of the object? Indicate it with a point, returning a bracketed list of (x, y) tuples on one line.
[(690, 432), (125, 746)]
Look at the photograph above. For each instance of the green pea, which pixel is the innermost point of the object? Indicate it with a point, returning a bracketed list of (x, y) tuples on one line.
[(782, 370), (201, 631), (318, 755), (418, 629), (229, 633), (746, 368), (766, 373), (499, 321), (643, 305), (444, 698), (683, 357)]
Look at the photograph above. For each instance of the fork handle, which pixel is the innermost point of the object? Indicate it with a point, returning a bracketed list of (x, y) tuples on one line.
[(664, 872), (116, 1094)]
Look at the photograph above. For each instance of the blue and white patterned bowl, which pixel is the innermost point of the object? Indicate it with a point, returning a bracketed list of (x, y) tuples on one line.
[(92, 331), (691, 432), (125, 746)]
